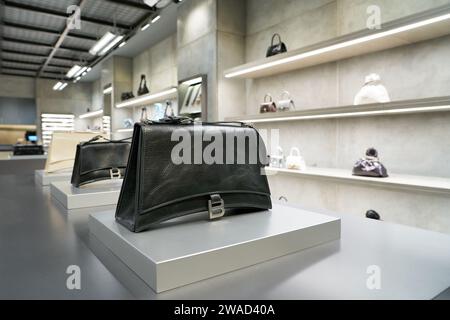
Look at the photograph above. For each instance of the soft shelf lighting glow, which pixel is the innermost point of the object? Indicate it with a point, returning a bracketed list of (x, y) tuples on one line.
[(124, 130), (108, 90), (350, 114), (146, 98), (51, 122), (73, 71), (193, 81), (337, 46), (102, 43), (92, 114)]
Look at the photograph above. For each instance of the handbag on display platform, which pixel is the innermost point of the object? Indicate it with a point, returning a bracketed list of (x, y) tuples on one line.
[(372, 91), (143, 86), (286, 103), (28, 149), (370, 165), (61, 153), (97, 160), (276, 48), (166, 179), (295, 161), (268, 105), (127, 96)]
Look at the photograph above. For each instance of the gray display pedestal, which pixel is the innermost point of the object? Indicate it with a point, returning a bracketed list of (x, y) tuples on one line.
[(182, 252), (43, 178), (91, 195)]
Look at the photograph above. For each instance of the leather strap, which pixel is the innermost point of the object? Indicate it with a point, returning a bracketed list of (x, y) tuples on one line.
[(96, 138)]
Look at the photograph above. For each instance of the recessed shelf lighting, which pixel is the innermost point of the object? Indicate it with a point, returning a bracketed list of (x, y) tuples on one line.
[(92, 114), (148, 98)]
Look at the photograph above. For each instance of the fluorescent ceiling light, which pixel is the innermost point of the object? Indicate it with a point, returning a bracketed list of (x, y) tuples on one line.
[(81, 71), (193, 81), (61, 88), (91, 114), (111, 45), (156, 18), (108, 90), (151, 3), (57, 85), (74, 70), (89, 69), (146, 98), (341, 45), (145, 27), (102, 43), (351, 114), (122, 44)]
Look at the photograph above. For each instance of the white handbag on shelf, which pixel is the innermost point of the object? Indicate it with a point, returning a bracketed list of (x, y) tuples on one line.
[(295, 161), (286, 103), (277, 160), (372, 91), (61, 153)]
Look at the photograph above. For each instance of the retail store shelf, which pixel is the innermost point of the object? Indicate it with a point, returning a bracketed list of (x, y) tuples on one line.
[(396, 181), (424, 26), (92, 114), (149, 98), (435, 104)]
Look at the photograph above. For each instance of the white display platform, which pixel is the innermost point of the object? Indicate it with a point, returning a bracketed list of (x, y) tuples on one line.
[(45, 179), (183, 252), (91, 195)]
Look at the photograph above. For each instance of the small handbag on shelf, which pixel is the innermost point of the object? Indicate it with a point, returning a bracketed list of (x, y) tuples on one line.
[(278, 160), (276, 48), (143, 86), (97, 161), (157, 188), (268, 105), (127, 96), (286, 103), (372, 91), (370, 166), (295, 161)]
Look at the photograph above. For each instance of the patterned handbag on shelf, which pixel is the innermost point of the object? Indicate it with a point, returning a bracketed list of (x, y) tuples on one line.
[(268, 105), (370, 165)]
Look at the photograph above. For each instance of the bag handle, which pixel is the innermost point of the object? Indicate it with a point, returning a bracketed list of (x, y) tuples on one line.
[(295, 150), (187, 120), (275, 36), (96, 138), (286, 94), (143, 80), (268, 95)]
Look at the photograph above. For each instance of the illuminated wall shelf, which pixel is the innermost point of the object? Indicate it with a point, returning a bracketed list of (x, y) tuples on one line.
[(424, 26), (149, 99), (92, 114), (394, 181), (435, 104)]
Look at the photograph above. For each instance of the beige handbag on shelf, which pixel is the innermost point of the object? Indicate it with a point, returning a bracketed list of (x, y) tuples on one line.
[(61, 153)]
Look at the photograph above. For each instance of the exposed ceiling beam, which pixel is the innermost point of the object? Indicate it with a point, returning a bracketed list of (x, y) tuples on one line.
[(26, 75), (48, 31), (44, 45), (132, 4), (38, 55), (35, 63), (63, 35), (61, 14), (19, 69)]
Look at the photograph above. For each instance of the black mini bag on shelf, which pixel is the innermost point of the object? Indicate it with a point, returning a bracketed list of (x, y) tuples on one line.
[(370, 165), (143, 89), (96, 161), (157, 189), (277, 48)]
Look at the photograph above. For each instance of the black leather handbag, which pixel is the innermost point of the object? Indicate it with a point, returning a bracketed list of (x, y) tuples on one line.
[(96, 161), (28, 150), (158, 187), (276, 48), (370, 165), (127, 96), (143, 86)]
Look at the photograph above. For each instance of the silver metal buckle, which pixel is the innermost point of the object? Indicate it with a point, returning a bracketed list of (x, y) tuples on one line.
[(115, 173), (216, 210)]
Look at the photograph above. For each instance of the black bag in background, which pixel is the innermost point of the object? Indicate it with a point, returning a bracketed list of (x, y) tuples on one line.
[(156, 189), (370, 165), (278, 48), (28, 150), (143, 86), (127, 96), (96, 161)]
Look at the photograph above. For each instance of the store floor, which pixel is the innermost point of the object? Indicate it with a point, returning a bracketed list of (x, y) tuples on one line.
[(39, 240)]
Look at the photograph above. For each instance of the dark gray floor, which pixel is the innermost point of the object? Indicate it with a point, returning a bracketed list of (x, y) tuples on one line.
[(39, 239)]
